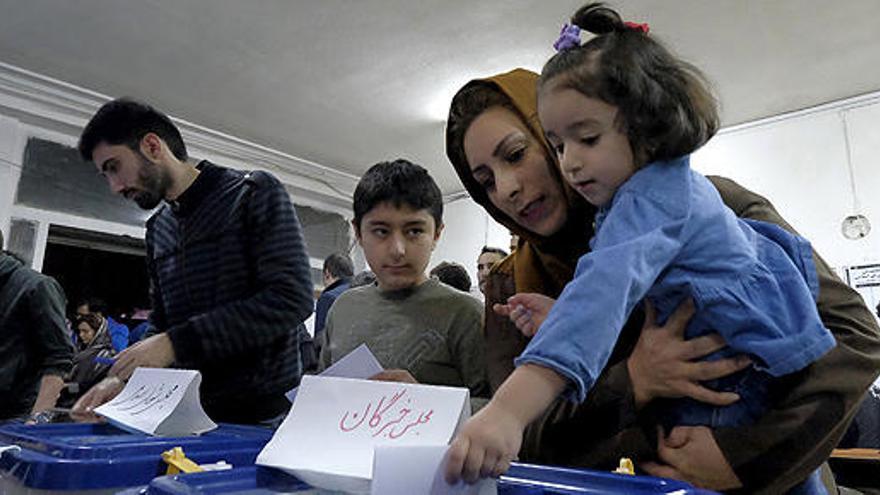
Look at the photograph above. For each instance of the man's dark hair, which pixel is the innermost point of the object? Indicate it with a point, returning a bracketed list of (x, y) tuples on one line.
[(127, 121), (365, 277), (453, 275), (488, 249), (95, 304), (339, 265), (400, 182)]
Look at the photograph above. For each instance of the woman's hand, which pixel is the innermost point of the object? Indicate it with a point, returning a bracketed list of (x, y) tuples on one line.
[(663, 364), (526, 310)]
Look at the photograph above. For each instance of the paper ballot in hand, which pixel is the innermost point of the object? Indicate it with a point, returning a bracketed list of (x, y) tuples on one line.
[(328, 439), (159, 401), (359, 363)]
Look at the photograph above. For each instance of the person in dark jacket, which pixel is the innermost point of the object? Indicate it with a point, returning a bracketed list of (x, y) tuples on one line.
[(35, 352), (338, 270), (229, 274)]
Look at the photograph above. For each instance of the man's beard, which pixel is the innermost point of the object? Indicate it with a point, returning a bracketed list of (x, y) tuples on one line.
[(153, 185), (147, 200)]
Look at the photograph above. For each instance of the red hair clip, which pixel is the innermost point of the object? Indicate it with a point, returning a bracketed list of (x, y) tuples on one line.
[(643, 27)]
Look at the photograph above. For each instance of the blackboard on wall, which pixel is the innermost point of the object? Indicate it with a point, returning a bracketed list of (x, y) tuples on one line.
[(55, 178)]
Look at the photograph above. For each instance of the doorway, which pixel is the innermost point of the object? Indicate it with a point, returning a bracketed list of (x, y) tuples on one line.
[(95, 264)]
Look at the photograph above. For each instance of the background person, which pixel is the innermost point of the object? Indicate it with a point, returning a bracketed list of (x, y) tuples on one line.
[(488, 258), (452, 274), (35, 351)]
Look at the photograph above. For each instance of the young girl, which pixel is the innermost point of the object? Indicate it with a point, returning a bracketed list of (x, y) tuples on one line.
[(623, 115)]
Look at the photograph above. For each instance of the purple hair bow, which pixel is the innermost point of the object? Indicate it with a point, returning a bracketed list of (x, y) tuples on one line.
[(569, 37)]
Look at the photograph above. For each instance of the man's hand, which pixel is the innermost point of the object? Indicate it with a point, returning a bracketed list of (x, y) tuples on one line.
[(47, 395), (526, 310), (154, 352), (690, 454), (102, 392), (663, 364), (400, 376)]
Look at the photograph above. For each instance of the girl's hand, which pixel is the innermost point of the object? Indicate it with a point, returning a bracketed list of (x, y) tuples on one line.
[(663, 364), (485, 445), (527, 311)]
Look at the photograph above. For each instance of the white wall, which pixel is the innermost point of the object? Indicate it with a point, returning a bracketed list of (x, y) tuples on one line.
[(468, 229), (800, 164), (10, 168)]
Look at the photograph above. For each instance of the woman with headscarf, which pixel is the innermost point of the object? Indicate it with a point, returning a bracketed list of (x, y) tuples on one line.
[(495, 119), (94, 342)]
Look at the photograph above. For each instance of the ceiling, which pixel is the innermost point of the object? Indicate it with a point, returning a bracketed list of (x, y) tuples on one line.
[(347, 83)]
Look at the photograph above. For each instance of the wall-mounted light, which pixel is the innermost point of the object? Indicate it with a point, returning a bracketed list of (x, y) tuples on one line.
[(855, 226)]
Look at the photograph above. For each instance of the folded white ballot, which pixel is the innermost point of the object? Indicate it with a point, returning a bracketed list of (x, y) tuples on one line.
[(160, 401), (329, 437)]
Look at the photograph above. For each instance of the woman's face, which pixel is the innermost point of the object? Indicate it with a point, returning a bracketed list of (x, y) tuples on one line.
[(511, 166), (86, 333)]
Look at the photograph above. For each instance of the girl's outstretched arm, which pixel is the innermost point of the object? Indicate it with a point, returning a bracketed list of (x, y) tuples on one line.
[(491, 439)]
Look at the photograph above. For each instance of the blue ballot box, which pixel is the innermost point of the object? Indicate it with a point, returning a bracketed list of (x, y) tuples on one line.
[(100, 458), (521, 479)]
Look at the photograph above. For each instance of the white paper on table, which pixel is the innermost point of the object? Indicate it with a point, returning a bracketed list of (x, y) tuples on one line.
[(359, 363), (160, 401), (328, 438), (9, 448), (419, 470)]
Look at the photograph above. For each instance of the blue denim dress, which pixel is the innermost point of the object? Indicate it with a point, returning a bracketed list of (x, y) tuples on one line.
[(666, 235)]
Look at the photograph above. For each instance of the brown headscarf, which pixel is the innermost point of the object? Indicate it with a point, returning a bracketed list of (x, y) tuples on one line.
[(542, 264)]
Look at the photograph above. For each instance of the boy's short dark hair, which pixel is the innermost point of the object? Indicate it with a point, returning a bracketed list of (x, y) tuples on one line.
[(453, 275), (400, 182), (498, 251), (339, 265), (127, 121)]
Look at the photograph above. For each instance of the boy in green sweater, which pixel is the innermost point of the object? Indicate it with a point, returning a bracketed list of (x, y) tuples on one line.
[(420, 330)]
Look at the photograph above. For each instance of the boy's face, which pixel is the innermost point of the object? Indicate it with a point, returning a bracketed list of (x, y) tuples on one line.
[(398, 243)]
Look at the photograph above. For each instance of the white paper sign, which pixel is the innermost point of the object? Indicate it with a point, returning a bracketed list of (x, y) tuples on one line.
[(419, 470), (160, 401), (359, 363), (328, 438)]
